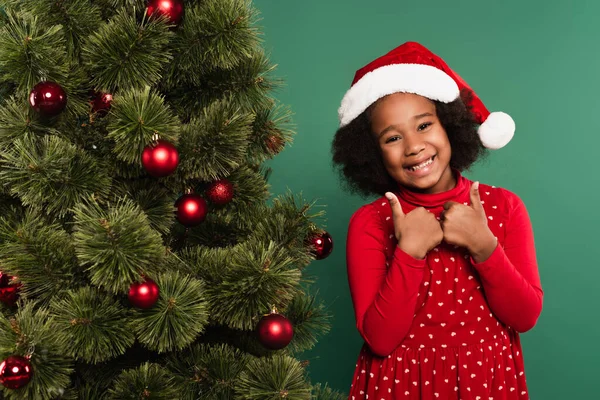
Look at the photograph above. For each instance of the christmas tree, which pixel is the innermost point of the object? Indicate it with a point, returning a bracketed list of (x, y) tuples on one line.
[(142, 255)]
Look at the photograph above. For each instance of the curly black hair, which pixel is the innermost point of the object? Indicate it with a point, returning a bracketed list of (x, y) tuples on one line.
[(357, 156)]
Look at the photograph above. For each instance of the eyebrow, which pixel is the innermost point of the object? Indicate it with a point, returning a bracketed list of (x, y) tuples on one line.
[(394, 127)]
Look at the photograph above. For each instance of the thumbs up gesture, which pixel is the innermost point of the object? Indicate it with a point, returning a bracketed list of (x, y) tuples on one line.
[(466, 226), (417, 232)]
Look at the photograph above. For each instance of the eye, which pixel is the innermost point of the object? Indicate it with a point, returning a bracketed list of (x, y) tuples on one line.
[(393, 139), (424, 126)]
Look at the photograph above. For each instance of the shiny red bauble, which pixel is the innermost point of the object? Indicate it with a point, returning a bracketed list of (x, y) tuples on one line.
[(274, 331), (220, 192), (160, 159), (144, 294), (48, 98), (15, 372), (171, 8), (101, 102), (9, 291), (191, 210), (321, 245)]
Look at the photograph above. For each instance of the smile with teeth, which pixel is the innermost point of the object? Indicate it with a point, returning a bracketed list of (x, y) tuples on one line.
[(422, 165)]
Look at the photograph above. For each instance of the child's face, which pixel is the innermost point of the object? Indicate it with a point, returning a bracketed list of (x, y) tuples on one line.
[(409, 132)]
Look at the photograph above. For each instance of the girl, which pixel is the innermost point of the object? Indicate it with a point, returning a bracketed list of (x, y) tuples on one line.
[(442, 270)]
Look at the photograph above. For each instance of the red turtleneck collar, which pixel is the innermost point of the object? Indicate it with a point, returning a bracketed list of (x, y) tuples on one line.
[(460, 193)]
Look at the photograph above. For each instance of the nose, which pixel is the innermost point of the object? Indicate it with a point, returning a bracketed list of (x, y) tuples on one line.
[(414, 145)]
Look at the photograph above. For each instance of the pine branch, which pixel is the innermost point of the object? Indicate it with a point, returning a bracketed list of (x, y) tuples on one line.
[(279, 377), (79, 18), (30, 53), (136, 116), (124, 54), (206, 372), (214, 144), (214, 34), (246, 86), (320, 392), (17, 121), (117, 245), (309, 320), (259, 277), (91, 326), (40, 254), (177, 318), (50, 174), (30, 332), (149, 381), (272, 130), (249, 188), (156, 201)]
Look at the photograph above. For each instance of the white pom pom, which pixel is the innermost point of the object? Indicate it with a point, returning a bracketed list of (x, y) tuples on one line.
[(497, 130)]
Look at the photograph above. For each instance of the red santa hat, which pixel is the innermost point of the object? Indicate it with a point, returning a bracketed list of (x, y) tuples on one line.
[(412, 68)]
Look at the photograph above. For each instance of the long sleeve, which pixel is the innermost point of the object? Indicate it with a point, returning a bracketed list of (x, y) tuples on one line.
[(510, 276), (384, 298)]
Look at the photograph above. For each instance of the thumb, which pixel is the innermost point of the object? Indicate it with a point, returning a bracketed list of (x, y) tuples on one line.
[(475, 199), (395, 204)]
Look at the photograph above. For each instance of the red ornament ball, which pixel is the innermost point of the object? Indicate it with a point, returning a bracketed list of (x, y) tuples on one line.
[(220, 192), (160, 159), (144, 294), (101, 102), (9, 292), (321, 244), (191, 210), (171, 8), (15, 372), (48, 98), (274, 331)]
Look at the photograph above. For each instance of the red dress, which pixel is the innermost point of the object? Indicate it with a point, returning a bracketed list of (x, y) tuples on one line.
[(444, 327)]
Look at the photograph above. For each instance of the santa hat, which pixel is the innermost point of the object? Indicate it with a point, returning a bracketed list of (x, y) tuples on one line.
[(412, 68)]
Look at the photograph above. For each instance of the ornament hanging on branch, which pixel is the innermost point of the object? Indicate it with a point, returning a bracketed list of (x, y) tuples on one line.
[(48, 98), (171, 8), (220, 192), (274, 331), (15, 372), (160, 158), (191, 210), (144, 294), (9, 291), (321, 244), (101, 102)]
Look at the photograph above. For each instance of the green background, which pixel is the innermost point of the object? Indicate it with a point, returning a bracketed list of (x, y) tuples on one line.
[(536, 60)]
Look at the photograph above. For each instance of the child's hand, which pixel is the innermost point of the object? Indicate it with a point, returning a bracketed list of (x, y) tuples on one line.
[(466, 226), (417, 232)]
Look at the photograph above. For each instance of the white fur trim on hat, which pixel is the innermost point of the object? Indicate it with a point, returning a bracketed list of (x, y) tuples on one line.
[(497, 130), (424, 80)]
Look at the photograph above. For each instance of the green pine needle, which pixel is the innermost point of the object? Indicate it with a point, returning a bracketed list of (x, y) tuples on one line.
[(309, 320), (214, 34), (91, 326), (148, 382), (29, 53), (259, 277), (50, 174), (178, 317), (320, 392), (214, 144), (136, 116), (276, 378), (30, 332), (124, 54), (40, 254), (206, 372), (117, 245)]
